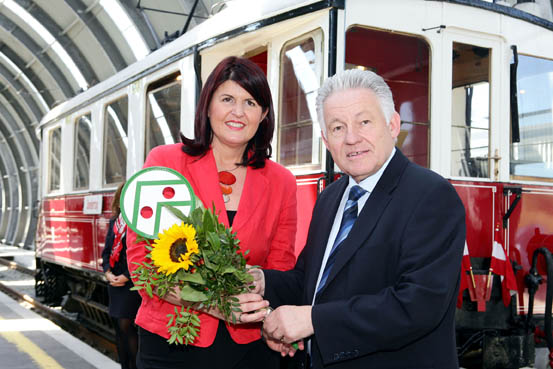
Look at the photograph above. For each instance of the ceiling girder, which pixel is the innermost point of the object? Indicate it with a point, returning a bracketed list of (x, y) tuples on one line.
[(57, 32), (22, 36), (99, 32)]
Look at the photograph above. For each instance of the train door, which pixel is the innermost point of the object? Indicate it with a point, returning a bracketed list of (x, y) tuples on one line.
[(474, 90), (292, 53)]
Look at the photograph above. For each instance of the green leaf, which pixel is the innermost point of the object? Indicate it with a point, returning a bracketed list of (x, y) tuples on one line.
[(196, 217), (208, 224), (194, 278), (213, 239), (188, 293), (149, 291), (176, 212), (228, 269)]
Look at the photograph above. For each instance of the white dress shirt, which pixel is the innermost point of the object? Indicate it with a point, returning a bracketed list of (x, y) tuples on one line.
[(367, 184)]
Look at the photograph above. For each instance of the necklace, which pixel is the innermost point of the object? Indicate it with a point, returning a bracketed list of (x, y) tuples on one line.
[(226, 180)]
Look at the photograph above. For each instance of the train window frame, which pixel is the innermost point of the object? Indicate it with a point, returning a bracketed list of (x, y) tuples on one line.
[(429, 80), (318, 37), (76, 147), (520, 177), (167, 80), (50, 151), (105, 114), (471, 87)]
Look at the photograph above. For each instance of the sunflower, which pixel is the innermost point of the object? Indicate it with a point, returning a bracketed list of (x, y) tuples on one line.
[(174, 248)]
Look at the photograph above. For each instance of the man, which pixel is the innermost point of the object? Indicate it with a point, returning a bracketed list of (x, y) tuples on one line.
[(383, 295)]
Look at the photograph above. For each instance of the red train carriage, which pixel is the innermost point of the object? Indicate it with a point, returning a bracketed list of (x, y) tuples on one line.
[(472, 81)]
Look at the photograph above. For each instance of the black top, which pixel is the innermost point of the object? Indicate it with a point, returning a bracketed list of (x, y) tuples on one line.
[(231, 214)]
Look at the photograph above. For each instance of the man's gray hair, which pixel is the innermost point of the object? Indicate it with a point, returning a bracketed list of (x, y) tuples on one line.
[(355, 78)]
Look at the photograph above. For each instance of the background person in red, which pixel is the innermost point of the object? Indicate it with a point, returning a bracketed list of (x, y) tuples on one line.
[(234, 126), (123, 303)]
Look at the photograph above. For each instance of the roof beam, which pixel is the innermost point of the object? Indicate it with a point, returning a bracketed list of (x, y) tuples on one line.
[(31, 75), (21, 36), (99, 32), (65, 41)]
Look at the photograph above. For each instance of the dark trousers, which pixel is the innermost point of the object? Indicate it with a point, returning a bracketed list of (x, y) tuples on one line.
[(155, 353)]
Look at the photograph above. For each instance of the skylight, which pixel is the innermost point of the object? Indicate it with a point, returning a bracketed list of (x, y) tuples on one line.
[(49, 39)]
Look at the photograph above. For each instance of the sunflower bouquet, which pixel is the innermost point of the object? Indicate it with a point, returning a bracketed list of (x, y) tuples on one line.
[(200, 257)]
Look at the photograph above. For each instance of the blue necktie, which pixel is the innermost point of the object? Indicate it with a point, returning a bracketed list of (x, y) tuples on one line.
[(348, 219)]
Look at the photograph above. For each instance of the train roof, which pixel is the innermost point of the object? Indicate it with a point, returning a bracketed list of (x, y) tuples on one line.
[(240, 17)]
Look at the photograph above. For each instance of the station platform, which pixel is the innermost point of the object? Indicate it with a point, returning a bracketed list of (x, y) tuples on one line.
[(21, 256), (28, 341)]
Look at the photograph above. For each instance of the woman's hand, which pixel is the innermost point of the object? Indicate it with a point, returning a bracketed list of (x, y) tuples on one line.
[(253, 307), (173, 297), (116, 280), (258, 280)]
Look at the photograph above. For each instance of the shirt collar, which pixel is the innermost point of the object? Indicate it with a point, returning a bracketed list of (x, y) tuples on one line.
[(370, 182)]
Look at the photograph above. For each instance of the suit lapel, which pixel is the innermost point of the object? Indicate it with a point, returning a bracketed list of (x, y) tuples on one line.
[(323, 222), (369, 216), (205, 181), (255, 189)]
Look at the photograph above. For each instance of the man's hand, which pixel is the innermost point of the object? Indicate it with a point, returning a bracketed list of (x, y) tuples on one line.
[(289, 324), (258, 280), (284, 348)]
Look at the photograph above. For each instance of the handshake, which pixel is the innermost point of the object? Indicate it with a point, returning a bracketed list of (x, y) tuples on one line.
[(285, 328)]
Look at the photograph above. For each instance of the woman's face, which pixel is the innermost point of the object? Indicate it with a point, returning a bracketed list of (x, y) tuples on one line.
[(234, 115)]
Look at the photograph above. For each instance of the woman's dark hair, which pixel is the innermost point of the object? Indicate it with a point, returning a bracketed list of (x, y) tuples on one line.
[(252, 79), (115, 203)]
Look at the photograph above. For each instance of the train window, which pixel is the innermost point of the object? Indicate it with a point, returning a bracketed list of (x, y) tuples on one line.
[(470, 111), (116, 116), (82, 152), (531, 157), (163, 112), (54, 151), (301, 70), (405, 67)]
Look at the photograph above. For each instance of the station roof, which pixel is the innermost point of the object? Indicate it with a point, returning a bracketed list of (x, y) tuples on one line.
[(50, 50)]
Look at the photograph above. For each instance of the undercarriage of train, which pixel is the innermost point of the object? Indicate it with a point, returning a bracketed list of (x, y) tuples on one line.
[(80, 294), (499, 337)]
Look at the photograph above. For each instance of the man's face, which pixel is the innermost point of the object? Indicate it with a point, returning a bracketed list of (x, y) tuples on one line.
[(357, 135)]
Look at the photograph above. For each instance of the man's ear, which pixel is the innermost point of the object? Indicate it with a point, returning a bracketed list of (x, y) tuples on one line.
[(324, 139), (395, 125)]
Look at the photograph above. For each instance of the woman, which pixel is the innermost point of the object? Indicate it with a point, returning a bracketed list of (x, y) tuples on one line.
[(123, 303), (228, 166)]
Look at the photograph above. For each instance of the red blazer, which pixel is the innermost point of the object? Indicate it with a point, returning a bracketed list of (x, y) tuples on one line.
[(265, 224)]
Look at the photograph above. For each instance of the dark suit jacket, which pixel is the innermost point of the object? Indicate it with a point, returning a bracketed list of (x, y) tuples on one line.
[(389, 301)]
